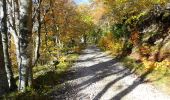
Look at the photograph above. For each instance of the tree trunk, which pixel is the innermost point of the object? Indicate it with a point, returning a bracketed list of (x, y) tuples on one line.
[(46, 34), (13, 24), (4, 87), (38, 36), (85, 39), (3, 76), (37, 48), (25, 46), (11, 80)]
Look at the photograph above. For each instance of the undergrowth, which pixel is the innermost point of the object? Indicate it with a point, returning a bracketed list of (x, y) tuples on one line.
[(46, 78), (159, 77)]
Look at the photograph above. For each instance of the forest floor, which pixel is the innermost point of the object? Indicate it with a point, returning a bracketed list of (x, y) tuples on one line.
[(97, 76)]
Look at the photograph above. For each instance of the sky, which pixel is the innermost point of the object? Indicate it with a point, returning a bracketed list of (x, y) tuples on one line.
[(81, 1)]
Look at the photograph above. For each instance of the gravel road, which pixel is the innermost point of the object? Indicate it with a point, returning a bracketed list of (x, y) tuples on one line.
[(97, 76)]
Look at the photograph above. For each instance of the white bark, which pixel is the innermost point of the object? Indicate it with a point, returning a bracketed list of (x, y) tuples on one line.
[(38, 35), (25, 45), (3, 76), (7, 60)]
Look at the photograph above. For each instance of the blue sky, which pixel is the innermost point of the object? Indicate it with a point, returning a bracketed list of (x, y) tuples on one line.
[(81, 1)]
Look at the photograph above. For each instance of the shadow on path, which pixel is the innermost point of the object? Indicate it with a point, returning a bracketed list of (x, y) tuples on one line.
[(138, 81), (100, 94), (96, 73), (87, 75)]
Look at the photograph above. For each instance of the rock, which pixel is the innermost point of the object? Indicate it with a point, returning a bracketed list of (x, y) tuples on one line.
[(53, 64), (165, 51), (135, 54), (152, 57), (168, 6)]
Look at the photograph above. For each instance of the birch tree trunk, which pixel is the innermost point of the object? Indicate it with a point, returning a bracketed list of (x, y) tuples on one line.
[(25, 45), (3, 76), (13, 23), (4, 31), (38, 35), (4, 87)]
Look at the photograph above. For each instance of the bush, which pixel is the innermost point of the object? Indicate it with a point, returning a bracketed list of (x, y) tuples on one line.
[(108, 43), (120, 31)]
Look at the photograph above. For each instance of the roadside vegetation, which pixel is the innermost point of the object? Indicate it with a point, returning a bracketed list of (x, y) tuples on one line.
[(140, 38)]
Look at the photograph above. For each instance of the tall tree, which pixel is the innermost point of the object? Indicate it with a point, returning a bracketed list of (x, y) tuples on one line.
[(38, 35), (7, 61), (25, 45), (3, 77)]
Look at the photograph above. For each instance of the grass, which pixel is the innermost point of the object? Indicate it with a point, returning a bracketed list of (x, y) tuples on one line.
[(160, 77), (46, 78)]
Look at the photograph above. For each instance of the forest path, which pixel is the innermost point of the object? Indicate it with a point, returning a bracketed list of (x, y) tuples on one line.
[(97, 76)]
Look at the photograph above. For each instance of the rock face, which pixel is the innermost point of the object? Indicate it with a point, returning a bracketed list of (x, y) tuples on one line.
[(135, 54), (165, 51), (156, 32)]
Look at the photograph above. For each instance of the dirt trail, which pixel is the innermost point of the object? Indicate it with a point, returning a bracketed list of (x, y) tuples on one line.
[(97, 76)]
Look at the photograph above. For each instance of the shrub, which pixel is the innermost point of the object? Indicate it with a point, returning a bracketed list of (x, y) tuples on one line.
[(108, 43)]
